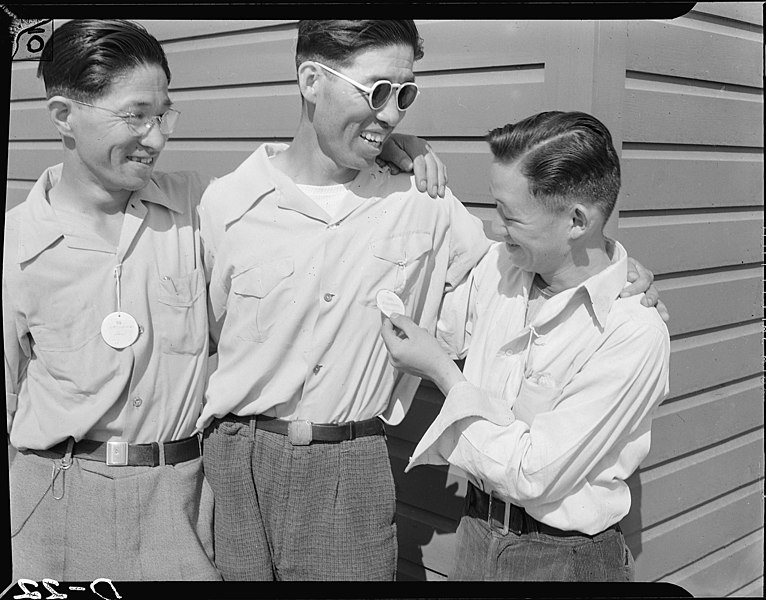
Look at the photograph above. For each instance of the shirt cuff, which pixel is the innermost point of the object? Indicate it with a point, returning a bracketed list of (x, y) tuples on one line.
[(464, 401)]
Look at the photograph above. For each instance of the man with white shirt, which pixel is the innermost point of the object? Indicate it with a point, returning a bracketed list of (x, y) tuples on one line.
[(298, 241), (553, 410)]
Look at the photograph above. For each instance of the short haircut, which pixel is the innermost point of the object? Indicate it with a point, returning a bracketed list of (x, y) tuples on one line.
[(338, 41), (83, 57), (567, 157)]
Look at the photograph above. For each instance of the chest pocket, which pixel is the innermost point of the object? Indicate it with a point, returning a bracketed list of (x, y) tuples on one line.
[(535, 398), (182, 313), (261, 294), (66, 333), (397, 264)]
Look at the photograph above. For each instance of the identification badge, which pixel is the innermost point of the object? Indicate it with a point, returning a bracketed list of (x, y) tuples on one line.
[(389, 303), (119, 330)]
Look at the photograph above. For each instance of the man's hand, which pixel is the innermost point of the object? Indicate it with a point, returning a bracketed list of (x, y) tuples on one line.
[(641, 280), (407, 152), (414, 350)]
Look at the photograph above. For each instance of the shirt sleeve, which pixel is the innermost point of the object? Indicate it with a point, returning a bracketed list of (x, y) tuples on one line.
[(604, 407), (17, 352), (208, 241), (468, 243)]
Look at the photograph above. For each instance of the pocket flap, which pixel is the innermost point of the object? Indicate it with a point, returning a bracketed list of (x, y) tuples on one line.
[(181, 290), (404, 248), (260, 280)]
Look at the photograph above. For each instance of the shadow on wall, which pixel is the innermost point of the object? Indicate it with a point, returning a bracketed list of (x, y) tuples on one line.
[(429, 498), (631, 524)]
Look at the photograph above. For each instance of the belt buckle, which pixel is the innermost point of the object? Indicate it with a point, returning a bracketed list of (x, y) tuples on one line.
[(299, 433), (117, 454), (506, 518)]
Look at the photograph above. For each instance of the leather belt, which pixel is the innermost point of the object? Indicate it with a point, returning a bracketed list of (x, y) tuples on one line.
[(509, 517), (122, 454), (303, 433)]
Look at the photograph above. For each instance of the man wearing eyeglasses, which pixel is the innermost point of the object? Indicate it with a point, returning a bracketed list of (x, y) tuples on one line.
[(298, 242), (105, 328)]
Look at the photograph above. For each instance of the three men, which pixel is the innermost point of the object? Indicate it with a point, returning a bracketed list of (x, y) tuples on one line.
[(553, 409)]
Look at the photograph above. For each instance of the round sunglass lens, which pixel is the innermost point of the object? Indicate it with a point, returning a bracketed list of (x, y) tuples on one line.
[(381, 92), (406, 97)]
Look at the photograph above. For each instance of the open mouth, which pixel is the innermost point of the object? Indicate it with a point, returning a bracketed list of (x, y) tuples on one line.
[(374, 139), (144, 160)]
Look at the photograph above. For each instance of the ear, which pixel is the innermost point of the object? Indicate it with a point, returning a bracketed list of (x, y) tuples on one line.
[(581, 220), (308, 76), (60, 112)]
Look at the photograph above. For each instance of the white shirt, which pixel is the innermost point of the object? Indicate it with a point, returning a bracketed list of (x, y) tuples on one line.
[(61, 378), (553, 416), (292, 289)]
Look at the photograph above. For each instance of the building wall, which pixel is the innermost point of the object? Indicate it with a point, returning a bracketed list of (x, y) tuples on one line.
[(683, 99)]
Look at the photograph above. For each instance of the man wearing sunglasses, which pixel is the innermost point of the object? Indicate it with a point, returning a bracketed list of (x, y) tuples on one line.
[(299, 241), (105, 328)]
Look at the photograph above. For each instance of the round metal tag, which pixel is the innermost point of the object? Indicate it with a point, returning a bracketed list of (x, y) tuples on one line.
[(119, 330), (389, 303)]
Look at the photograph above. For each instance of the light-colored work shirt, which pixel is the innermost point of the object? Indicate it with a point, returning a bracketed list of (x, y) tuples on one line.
[(555, 414), (61, 377), (293, 291)]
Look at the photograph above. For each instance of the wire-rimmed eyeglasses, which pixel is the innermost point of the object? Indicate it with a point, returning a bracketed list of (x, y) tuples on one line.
[(139, 124)]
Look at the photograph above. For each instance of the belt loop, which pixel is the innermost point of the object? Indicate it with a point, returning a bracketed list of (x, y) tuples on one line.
[(161, 451), (253, 427), (352, 430)]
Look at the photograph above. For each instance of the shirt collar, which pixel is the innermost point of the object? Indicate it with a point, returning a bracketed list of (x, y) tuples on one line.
[(601, 290), (250, 181), (257, 176), (604, 287), (40, 227)]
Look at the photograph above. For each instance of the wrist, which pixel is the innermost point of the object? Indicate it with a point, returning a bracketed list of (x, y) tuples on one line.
[(450, 376)]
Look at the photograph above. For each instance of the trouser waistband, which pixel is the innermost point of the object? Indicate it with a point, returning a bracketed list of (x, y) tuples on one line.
[(122, 454), (511, 518), (303, 433)]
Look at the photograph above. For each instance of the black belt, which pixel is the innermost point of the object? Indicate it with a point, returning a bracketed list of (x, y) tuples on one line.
[(130, 455), (302, 433), (509, 517)]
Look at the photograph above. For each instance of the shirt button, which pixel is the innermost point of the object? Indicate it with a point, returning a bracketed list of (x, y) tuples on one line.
[(316, 369), (137, 402), (328, 297), (140, 329), (332, 226)]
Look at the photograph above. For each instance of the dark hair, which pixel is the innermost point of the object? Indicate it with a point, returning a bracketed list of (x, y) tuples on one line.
[(567, 157), (84, 56), (338, 41)]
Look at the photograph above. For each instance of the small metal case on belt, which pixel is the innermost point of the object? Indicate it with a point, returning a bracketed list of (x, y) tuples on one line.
[(299, 433), (117, 454)]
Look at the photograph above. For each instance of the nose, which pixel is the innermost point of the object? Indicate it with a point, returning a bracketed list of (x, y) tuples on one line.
[(154, 138), (497, 229), (390, 113)]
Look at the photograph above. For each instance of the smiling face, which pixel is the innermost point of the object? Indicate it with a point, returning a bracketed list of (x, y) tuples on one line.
[(348, 131), (106, 152), (537, 239)]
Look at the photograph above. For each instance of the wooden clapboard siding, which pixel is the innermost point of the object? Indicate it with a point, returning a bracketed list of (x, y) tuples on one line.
[(683, 99), (691, 209)]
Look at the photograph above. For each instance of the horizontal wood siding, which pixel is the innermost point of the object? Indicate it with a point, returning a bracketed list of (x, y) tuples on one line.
[(691, 209), (684, 101)]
